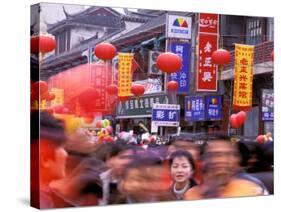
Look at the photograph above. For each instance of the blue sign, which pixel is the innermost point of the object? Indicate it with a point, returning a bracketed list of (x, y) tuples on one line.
[(267, 112), (213, 107), (166, 115), (182, 76), (194, 108)]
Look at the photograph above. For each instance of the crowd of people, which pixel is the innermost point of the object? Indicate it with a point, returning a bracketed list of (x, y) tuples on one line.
[(75, 171)]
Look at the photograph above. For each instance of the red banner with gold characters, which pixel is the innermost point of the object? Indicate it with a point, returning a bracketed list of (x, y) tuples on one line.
[(124, 73), (243, 77), (207, 43)]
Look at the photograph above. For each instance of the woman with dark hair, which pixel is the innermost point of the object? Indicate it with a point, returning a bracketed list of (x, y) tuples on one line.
[(182, 168)]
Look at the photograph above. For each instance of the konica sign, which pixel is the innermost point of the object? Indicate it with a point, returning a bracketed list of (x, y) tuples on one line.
[(178, 27)]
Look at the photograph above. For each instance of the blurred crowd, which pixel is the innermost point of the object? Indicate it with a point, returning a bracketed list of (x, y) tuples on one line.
[(77, 171)]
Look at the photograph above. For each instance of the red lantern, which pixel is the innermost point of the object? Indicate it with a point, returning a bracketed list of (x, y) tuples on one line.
[(123, 98), (42, 43), (272, 55), (233, 121), (169, 62), (221, 57), (105, 51), (112, 89), (241, 117), (260, 139), (137, 90), (172, 85), (39, 87), (87, 99)]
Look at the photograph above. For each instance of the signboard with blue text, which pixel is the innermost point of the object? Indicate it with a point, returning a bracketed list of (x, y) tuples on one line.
[(194, 108), (267, 105), (182, 76), (214, 107), (178, 27), (166, 115)]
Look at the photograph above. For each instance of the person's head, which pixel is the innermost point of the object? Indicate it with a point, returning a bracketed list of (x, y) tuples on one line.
[(221, 159), (83, 186), (142, 180), (181, 165), (186, 144), (119, 156), (49, 138)]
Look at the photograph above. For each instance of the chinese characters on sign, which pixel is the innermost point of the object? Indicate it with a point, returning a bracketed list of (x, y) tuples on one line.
[(166, 115), (208, 42), (140, 107), (99, 80), (194, 108), (243, 77), (124, 74), (208, 23), (182, 76), (267, 105), (213, 107)]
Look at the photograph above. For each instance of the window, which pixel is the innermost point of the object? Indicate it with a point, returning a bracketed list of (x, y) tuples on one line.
[(255, 31)]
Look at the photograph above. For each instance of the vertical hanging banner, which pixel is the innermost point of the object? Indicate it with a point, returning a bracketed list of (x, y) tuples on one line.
[(182, 76), (124, 73), (208, 23), (99, 79), (243, 77), (213, 107), (208, 42)]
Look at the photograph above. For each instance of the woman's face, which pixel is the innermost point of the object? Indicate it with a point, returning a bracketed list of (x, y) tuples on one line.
[(181, 169)]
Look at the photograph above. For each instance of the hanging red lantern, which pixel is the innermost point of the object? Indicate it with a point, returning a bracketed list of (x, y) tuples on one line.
[(105, 51), (260, 139), (39, 87), (241, 117), (233, 121), (87, 99), (221, 57), (43, 43), (272, 56), (172, 85), (123, 98), (50, 96), (137, 90), (112, 89), (169, 62)]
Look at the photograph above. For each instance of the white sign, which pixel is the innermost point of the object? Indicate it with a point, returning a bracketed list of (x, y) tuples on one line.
[(150, 85), (178, 27)]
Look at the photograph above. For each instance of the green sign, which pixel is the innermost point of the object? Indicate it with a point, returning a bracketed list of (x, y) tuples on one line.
[(140, 107)]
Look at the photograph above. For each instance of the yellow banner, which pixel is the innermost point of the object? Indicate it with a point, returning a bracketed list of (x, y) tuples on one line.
[(59, 96), (124, 73), (243, 77)]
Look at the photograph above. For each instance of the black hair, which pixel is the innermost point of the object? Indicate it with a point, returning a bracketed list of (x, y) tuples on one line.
[(182, 153)]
